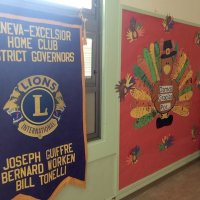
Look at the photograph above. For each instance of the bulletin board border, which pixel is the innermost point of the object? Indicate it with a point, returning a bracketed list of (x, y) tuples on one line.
[(136, 186)]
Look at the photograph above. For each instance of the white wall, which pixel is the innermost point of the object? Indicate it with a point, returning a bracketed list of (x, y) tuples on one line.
[(100, 185), (187, 10)]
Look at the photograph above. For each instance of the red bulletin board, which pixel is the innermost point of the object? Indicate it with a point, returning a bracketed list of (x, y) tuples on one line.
[(159, 94)]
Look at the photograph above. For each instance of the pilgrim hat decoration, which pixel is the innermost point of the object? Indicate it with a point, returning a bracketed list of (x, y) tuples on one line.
[(168, 50)]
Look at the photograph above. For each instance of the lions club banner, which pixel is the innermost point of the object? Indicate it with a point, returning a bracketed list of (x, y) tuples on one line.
[(42, 123)]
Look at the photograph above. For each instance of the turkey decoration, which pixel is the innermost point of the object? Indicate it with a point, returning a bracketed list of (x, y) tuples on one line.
[(159, 95), (135, 30), (168, 23), (162, 81)]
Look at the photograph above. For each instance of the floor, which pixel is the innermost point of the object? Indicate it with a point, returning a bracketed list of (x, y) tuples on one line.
[(183, 184)]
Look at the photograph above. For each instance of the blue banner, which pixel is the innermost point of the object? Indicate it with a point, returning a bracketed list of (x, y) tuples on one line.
[(42, 118)]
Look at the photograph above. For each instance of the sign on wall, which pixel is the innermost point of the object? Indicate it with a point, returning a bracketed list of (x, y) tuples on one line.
[(158, 94), (42, 118)]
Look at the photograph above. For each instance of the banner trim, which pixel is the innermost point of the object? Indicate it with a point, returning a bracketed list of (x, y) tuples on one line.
[(68, 180)]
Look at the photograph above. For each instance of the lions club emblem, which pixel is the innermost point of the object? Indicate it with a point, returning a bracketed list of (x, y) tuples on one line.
[(36, 106)]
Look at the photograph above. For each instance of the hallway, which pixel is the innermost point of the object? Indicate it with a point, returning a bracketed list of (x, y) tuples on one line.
[(183, 184)]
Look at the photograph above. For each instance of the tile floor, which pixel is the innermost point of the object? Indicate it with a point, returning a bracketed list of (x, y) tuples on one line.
[(183, 184)]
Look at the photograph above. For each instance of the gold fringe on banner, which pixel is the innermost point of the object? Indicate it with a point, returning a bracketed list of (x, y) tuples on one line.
[(84, 20)]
